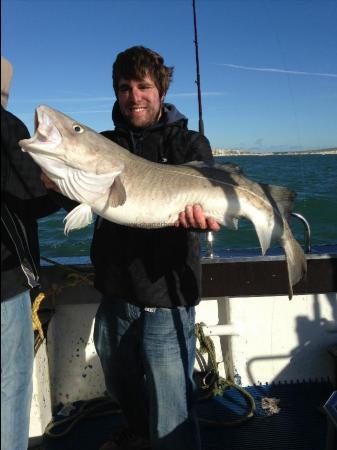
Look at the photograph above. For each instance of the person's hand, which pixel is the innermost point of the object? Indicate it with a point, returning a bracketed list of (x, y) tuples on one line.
[(193, 217), (48, 183)]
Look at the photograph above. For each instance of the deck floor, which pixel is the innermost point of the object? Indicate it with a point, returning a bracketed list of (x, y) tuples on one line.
[(300, 424)]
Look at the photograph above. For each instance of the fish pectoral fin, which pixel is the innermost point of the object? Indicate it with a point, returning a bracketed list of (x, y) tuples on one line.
[(117, 195), (79, 217)]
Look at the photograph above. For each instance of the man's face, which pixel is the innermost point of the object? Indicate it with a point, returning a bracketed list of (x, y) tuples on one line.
[(139, 101)]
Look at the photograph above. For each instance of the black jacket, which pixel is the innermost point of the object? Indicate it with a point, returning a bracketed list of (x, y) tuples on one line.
[(24, 199), (151, 267)]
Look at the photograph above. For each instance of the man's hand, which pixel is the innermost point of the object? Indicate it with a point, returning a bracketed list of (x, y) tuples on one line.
[(48, 183), (193, 217)]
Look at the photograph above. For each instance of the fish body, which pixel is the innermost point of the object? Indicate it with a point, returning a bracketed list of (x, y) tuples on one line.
[(121, 187)]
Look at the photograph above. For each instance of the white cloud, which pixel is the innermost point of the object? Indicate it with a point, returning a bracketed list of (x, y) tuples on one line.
[(194, 94), (273, 70), (63, 100)]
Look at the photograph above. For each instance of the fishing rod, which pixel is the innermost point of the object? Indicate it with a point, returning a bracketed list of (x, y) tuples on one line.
[(201, 123), (209, 234)]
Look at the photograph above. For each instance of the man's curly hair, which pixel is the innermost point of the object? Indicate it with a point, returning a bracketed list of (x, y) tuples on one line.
[(136, 62)]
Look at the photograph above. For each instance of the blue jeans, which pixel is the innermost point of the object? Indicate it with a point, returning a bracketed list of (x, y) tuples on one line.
[(17, 357), (147, 357)]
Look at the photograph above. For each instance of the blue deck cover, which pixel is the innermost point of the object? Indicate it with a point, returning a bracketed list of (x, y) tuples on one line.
[(300, 423)]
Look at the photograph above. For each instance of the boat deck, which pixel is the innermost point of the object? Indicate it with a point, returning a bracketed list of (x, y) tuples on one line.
[(286, 344), (300, 423)]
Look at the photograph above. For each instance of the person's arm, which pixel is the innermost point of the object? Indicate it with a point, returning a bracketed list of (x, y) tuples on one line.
[(21, 186)]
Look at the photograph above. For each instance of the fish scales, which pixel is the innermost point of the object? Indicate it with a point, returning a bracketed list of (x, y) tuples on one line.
[(112, 182)]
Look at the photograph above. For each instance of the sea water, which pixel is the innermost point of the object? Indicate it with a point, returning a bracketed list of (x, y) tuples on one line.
[(313, 177)]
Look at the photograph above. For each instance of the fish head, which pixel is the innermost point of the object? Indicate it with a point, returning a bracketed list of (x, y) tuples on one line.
[(80, 161), (60, 139)]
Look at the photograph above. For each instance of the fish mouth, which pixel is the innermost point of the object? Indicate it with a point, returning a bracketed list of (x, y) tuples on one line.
[(46, 133), (46, 137)]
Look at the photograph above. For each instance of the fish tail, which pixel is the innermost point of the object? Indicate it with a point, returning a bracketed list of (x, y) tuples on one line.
[(295, 258)]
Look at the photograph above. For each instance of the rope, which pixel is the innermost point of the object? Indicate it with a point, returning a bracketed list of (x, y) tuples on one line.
[(213, 384), (104, 406), (74, 278), (37, 326), (70, 269), (87, 410), (217, 384)]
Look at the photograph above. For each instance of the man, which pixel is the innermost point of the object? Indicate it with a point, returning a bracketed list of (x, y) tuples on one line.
[(23, 200), (150, 279)]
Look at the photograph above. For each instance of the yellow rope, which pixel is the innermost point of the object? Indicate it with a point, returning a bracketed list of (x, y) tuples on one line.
[(37, 326), (74, 278)]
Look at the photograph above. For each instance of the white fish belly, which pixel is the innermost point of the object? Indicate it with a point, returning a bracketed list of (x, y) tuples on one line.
[(151, 211)]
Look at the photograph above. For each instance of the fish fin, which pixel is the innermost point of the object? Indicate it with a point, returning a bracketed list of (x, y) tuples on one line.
[(267, 230), (229, 168), (198, 164), (280, 196), (264, 235), (84, 187), (231, 222), (117, 195), (79, 217), (225, 167), (295, 258)]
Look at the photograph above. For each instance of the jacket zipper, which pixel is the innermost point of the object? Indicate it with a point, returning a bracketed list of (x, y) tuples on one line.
[(31, 276)]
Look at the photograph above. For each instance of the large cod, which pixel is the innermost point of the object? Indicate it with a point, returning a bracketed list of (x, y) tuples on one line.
[(121, 187)]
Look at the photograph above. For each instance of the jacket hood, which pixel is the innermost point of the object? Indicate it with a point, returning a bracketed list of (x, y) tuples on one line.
[(170, 116)]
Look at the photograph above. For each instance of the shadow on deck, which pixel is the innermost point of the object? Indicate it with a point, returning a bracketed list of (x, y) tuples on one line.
[(300, 424)]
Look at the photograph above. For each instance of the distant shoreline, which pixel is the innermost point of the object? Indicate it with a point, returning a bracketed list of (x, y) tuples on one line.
[(230, 152)]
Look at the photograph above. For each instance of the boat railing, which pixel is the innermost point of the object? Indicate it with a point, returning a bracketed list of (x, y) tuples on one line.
[(307, 231), (307, 236), (209, 244)]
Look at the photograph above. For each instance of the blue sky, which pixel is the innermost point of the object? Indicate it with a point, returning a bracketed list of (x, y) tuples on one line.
[(268, 67)]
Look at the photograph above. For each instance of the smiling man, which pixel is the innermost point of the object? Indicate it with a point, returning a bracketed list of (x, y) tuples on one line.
[(150, 279), (139, 102)]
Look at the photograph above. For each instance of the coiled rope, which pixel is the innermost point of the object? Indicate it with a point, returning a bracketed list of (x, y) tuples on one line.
[(90, 409), (103, 406), (213, 384)]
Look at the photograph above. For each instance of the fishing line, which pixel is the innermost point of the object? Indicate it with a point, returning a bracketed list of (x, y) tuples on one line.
[(287, 73), (300, 169)]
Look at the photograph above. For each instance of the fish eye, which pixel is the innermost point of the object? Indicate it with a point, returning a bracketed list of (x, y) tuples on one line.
[(77, 128)]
